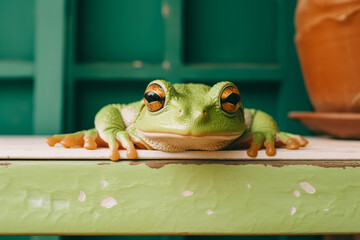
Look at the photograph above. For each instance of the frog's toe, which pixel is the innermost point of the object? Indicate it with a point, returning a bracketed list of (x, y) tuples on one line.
[(131, 152), (256, 143), (51, 141), (302, 141), (270, 148), (292, 141), (90, 143), (292, 144), (90, 137), (114, 154), (253, 150), (68, 141), (126, 143), (109, 137), (71, 140)]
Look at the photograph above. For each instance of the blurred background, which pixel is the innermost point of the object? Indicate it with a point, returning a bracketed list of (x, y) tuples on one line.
[(62, 60)]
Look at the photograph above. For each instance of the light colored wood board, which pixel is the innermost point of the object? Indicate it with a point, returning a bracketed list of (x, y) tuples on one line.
[(34, 147)]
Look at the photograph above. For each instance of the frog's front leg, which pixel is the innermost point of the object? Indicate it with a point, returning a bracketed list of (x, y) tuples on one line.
[(265, 132), (109, 132), (111, 128)]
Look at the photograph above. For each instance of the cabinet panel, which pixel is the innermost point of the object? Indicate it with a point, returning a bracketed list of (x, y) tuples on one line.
[(120, 31), (230, 31), (17, 30)]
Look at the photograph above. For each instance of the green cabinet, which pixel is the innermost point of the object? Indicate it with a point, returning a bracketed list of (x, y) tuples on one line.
[(61, 60)]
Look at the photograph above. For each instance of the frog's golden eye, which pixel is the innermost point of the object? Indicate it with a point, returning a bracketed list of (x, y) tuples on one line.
[(154, 97), (230, 99)]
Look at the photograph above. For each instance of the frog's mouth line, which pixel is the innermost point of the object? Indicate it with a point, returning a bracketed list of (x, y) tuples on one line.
[(172, 142), (223, 137)]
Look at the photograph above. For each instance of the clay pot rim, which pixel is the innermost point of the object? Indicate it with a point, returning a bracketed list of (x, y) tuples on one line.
[(325, 115)]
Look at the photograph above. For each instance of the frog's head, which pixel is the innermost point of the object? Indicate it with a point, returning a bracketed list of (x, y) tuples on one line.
[(190, 116)]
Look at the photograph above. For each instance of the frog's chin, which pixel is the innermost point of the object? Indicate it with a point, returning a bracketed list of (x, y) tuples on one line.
[(172, 142)]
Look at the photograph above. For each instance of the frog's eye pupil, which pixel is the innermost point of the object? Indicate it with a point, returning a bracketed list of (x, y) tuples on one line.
[(230, 99), (154, 97), (233, 98)]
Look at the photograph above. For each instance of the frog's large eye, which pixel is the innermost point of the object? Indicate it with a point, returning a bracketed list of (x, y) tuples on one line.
[(154, 97), (230, 99)]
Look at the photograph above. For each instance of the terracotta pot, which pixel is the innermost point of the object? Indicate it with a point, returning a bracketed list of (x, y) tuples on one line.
[(328, 44)]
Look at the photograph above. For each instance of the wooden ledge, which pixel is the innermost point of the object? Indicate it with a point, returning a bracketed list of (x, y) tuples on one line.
[(194, 193), (318, 149)]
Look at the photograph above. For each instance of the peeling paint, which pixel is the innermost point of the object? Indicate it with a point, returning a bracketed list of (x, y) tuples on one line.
[(187, 193), (209, 212), (108, 202), (5, 164), (156, 164), (36, 202), (103, 163), (82, 196), (104, 183), (96, 215), (292, 210), (60, 204), (297, 193), (307, 187)]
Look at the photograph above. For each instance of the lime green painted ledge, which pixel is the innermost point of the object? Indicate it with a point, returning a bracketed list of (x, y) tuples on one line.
[(177, 197)]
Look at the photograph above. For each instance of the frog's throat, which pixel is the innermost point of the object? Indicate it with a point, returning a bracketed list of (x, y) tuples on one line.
[(171, 142)]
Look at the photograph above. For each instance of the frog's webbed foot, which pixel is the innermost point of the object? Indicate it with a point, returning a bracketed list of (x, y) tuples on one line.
[(291, 141), (90, 140), (86, 139), (260, 139), (270, 140)]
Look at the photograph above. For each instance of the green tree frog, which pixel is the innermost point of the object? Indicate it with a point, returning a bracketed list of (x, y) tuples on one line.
[(180, 117)]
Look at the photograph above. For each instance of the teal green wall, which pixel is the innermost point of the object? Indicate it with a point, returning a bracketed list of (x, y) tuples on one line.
[(61, 60)]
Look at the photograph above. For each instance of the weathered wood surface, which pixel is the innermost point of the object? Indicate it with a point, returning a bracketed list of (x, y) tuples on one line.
[(196, 193), (34, 147)]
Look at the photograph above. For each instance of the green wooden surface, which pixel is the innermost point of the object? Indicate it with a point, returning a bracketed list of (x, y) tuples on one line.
[(70, 49), (182, 197)]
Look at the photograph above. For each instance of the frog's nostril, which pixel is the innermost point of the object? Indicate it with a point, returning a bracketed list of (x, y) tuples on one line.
[(201, 116), (180, 112)]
